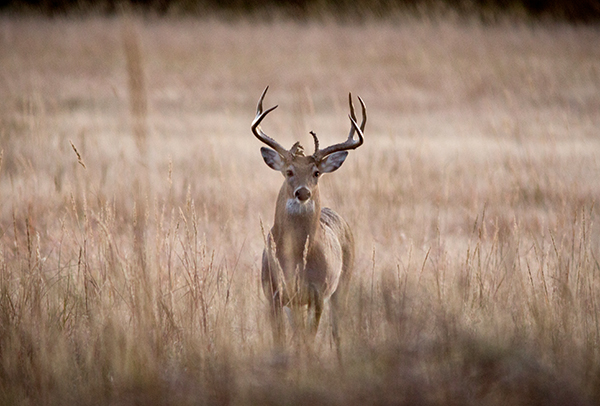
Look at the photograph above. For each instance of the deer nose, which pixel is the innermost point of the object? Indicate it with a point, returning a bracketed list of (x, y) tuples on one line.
[(302, 193)]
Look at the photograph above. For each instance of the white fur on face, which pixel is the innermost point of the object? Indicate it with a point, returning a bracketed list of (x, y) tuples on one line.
[(296, 207)]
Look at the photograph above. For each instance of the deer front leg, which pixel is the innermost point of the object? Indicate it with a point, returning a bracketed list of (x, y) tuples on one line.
[(275, 302), (337, 307), (276, 317), (334, 306), (315, 310)]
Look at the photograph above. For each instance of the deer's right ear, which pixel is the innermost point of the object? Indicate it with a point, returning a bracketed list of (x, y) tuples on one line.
[(272, 158)]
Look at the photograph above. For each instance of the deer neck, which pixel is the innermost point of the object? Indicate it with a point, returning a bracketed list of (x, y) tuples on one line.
[(296, 225)]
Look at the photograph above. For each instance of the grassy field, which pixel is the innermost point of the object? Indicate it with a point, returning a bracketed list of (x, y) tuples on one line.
[(132, 194)]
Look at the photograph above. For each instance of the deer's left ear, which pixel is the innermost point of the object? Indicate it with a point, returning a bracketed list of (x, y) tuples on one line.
[(332, 162)]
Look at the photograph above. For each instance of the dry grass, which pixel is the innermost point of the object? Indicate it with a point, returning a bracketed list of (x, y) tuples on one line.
[(130, 211)]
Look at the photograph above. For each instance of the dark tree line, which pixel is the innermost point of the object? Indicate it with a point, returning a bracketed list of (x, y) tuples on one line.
[(567, 10)]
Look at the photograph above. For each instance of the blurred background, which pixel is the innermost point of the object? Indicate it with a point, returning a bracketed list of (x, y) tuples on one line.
[(573, 11), (134, 200)]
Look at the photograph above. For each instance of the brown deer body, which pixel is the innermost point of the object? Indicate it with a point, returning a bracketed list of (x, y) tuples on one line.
[(310, 250)]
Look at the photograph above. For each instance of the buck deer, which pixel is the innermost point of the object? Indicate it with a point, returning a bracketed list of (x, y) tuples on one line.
[(309, 252)]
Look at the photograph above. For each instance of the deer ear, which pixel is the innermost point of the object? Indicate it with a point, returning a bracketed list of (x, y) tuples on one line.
[(332, 162), (272, 158)]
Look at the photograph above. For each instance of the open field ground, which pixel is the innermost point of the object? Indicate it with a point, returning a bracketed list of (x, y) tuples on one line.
[(130, 275)]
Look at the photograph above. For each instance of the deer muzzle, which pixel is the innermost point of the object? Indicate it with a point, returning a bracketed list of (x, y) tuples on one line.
[(302, 193)]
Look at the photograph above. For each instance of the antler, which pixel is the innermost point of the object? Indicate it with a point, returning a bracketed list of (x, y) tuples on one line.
[(316, 140), (350, 143), (258, 132)]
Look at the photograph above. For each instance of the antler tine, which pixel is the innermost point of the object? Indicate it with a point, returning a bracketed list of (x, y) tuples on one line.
[(353, 115), (350, 143), (351, 104), (359, 130), (258, 132), (364, 113), (316, 141)]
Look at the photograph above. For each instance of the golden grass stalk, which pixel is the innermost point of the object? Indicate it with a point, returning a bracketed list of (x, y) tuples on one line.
[(473, 204)]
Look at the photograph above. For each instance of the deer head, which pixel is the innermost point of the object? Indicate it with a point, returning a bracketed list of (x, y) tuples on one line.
[(302, 172)]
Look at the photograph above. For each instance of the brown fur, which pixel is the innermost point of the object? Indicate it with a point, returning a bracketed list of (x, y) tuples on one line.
[(309, 255), (310, 252)]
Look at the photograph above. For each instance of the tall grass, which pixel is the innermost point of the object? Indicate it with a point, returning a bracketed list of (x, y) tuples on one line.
[(129, 260)]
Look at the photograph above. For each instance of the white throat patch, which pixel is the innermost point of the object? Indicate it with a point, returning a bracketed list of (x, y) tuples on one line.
[(295, 207)]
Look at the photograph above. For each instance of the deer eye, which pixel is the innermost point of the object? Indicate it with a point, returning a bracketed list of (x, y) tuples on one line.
[(289, 173), (316, 174)]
